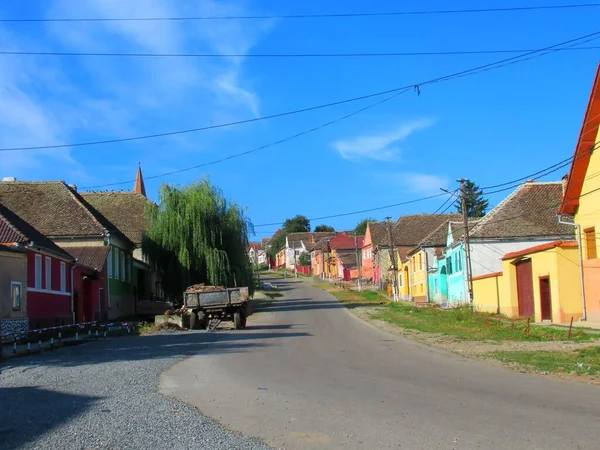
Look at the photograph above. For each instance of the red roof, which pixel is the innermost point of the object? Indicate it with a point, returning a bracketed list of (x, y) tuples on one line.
[(487, 275), (344, 242), (540, 248), (583, 150)]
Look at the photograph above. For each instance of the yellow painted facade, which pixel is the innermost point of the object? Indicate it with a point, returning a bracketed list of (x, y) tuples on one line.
[(487, 292), (588, 218), (412, 279), (559, 264)]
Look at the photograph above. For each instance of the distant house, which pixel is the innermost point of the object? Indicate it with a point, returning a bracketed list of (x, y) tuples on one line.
[(35, 277), (256, 253), (298, 243), (344, 259), (375, 236), (60, 213), (319, 255)]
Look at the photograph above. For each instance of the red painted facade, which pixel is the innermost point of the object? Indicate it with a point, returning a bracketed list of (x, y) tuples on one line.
[(48, 306), (368, 272), (90, 296)]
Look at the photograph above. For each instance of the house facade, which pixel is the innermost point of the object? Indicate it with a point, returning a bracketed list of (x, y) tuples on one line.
[(35, 277), (60, 213), (580, 203), (371, 264), (298, 243)]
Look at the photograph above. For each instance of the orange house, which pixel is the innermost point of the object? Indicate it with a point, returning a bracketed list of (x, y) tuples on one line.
[(581, 202)]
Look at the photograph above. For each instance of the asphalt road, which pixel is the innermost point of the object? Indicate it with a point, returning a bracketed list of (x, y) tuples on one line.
[(307, 374)]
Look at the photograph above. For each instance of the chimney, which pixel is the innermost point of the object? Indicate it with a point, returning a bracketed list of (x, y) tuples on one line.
[(565, 181), (74, 187), (531, 181), (9, 179)]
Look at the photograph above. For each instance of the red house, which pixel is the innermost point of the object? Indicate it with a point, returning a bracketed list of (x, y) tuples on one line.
[(45, 291)]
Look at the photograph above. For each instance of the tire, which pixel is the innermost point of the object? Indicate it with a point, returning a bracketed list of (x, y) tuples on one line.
[(202, 320), (237, 319), (244, 321), (193, 321)]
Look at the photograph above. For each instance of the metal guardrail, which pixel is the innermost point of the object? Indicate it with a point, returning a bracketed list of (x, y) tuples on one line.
[(57, 334)]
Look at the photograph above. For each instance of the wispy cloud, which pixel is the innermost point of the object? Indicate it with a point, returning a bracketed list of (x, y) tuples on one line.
[(423, 183), (380, 147), (59, 100)]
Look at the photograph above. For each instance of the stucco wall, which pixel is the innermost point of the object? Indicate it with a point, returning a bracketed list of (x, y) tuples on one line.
[(486, 255), (487, 293), (13, 267)]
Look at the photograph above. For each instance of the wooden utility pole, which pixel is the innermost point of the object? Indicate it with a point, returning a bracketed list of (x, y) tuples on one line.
[(358, 263), (295, 263), (392, 258), (463, 202)]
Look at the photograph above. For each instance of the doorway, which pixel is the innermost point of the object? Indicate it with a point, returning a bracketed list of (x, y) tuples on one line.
[(525, 288), (545, 298)]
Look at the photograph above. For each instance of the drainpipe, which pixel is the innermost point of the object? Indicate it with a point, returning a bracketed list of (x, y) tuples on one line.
[(578, 226), (73, 291)]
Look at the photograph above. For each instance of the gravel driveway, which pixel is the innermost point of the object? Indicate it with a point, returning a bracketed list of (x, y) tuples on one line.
[(103, 395)]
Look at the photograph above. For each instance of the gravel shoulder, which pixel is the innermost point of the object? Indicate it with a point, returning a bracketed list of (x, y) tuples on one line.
[(104, 395)]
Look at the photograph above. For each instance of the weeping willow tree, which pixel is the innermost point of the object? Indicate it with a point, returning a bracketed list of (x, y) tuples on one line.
[(197, 236)]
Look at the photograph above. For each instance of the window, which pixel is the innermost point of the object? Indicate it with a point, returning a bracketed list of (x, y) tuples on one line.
[(63, 277), (460, 266), (48, 268), (590, 243), (117, 259), (449, 265), (110, 263), (123, 274), (420, 261), (15, 294), (38, 271)]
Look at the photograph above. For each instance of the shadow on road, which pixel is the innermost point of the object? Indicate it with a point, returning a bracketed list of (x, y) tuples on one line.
[(178, 344), (306, 304), (51, 410)]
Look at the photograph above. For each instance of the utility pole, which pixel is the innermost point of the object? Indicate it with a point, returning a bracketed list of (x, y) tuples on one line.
[(295, 263), (392, 258), (358, 263), (463, 200)]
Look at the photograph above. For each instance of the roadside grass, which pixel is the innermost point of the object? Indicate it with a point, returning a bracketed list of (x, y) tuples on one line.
[(461, 323), (581, 362), (465, 324)]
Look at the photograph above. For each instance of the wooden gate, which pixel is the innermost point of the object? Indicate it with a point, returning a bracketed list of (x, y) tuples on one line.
[(545, 298), (525, 288)]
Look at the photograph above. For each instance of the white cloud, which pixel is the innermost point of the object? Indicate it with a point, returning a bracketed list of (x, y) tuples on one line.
[(59, 100), (423, 183), (380, 147)]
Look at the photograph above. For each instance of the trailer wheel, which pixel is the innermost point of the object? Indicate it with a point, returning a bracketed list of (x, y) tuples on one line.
[(202, 320), (193, 321), (244, 321), (237, 320)]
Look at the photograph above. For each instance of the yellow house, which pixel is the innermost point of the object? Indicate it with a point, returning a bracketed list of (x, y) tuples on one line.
[(412, 278), (540, 282), (581, 202)]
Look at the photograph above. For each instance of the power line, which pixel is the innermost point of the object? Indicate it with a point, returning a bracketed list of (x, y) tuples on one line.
[(417, 86), (361, 211), (280, 55), (262, 147), (310, 16)]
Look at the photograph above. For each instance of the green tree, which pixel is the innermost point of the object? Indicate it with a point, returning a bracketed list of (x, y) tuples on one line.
[(476, 203), (361, 227), (197, 236), (323, 228), (296, 224), (304, 259)]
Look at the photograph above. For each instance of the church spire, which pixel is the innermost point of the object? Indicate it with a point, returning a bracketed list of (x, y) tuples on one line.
[(139, 182)]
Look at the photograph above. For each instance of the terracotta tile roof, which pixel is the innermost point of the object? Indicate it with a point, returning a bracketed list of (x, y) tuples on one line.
[(348, 259), (540, 248), (309, 238), (126, 210), (321, 244), (530, 211), (52, 208), (264, 242), (344, 241), (379, 233), (487, 275), (409, 231), (13, 229), (255, 246), (93, 257), (458, 228)]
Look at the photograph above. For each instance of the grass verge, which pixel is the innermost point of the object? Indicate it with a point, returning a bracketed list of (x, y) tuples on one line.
[(461, 323), (580, 362)]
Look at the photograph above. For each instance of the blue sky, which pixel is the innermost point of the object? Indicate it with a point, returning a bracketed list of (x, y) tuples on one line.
[(491, 127)]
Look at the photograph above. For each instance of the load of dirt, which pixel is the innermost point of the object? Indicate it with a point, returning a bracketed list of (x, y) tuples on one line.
[(203, 288)]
